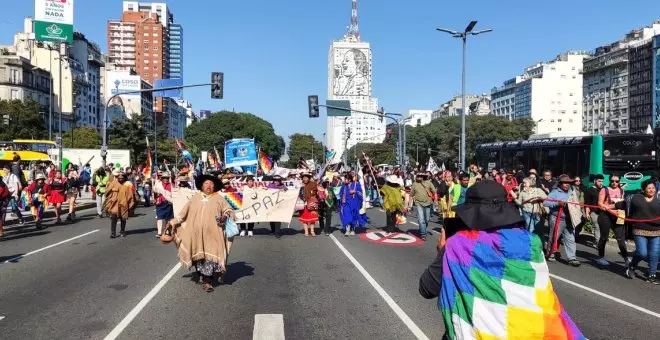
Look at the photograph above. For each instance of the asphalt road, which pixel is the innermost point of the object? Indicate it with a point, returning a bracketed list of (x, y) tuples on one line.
[(74, 282)]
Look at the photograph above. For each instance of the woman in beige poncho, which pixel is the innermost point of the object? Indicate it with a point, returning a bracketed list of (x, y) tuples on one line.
[(201, 241)]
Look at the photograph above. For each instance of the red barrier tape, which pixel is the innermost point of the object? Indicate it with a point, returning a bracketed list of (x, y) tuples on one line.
[(555, 237)]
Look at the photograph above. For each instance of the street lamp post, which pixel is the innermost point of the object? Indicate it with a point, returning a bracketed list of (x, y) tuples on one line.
[(463, 36)]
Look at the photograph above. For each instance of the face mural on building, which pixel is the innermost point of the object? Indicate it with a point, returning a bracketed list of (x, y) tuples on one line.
[(351, 76)]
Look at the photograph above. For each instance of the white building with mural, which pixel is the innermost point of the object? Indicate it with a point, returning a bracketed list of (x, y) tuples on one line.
[(350, 78)]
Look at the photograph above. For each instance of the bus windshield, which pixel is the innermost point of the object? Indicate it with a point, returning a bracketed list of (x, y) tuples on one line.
[(37, 146), (632, 145)]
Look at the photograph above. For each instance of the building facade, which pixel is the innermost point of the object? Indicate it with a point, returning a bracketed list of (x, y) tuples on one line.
[(418, 117), (176, 51), (20, 80), (503, 99), (350, 78), (454, 107), (550, 94), (611, 91), (126, 106), (655, 55), (75, 70), (640, 85)]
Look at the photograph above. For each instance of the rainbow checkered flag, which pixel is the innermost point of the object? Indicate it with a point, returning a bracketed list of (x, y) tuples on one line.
[(265, 162), (496, 285)]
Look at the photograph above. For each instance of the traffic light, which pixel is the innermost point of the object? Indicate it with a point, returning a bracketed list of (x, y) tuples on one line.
[(313, 105), (217, 85)]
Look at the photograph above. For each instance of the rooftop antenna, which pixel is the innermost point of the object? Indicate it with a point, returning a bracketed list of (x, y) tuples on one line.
[(354, 29)]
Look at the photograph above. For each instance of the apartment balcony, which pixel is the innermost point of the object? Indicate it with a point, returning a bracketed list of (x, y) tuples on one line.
[(95, 59), (81, 80)]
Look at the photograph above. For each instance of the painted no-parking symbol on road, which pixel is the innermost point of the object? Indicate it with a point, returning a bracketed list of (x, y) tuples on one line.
[(391, 239)]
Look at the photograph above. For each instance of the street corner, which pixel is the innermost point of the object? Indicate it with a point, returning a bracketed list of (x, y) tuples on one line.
[(397, 239)]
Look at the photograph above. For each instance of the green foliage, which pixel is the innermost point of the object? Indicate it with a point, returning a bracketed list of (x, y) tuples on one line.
[(83, 138), (381, 153), (305, 146), (129, 134), (24, 120), (442, 136), (224, 125)]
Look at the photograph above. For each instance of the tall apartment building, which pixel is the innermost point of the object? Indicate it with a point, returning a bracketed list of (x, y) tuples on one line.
[(176, 51), (611, 91), (550, 93), (141, 40)]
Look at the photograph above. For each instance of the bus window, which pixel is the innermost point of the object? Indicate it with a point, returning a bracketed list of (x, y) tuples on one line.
[(628, 146)]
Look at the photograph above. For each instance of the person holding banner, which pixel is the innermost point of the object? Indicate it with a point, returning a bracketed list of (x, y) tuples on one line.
[(201, 241), (277, 184), (248, 191), (310, 214)]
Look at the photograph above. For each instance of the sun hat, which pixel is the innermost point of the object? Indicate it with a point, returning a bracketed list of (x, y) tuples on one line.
[(392, 179), (39, 176), (486, 207), (306, 174), (199, 181), (563, 178)]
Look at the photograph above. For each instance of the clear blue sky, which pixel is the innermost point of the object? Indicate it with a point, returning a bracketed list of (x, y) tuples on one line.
[(274, 53)]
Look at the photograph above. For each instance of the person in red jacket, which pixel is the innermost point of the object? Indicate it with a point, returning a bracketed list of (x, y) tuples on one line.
[(510, 185)]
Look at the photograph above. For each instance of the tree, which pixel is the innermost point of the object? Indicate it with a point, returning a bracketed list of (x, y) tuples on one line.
[(129, 134), (21, 119), (83, 138), (379, 153), (304, 146), (222, 126)]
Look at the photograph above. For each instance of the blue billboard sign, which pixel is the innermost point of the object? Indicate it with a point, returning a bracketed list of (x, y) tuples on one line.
[(240, 152), (168, 83)]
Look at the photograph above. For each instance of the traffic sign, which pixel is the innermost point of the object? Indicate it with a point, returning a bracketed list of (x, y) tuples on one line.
[(391, 239)]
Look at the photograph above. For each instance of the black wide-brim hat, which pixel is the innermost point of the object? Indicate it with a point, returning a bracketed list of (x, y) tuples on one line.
[(217, 184), (486, 207)]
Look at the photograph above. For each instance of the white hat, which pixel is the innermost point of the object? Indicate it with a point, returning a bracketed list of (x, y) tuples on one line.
[(392, 179), (39, 176), (225, 181), (116, 172)]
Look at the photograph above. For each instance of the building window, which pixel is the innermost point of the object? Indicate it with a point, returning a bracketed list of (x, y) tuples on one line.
[(146, 34), (155, 48), (155, 34), (571, 94), (155, 67)]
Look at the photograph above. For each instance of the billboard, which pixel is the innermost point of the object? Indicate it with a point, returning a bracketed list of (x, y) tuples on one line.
[(351, 71), (240, 152), (120, 82), (168, 83), (53, 20)]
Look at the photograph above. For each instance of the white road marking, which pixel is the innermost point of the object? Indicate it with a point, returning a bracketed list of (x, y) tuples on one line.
[(50, 246), (268, 327), (591, 290), (397, 310), (1, 317), (415, 223), (143, 303), (381, 210)]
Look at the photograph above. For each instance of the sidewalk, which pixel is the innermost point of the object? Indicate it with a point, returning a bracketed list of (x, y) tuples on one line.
[(83, 202)]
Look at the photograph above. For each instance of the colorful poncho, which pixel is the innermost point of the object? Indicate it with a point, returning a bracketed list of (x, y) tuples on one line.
[(496, 285)]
